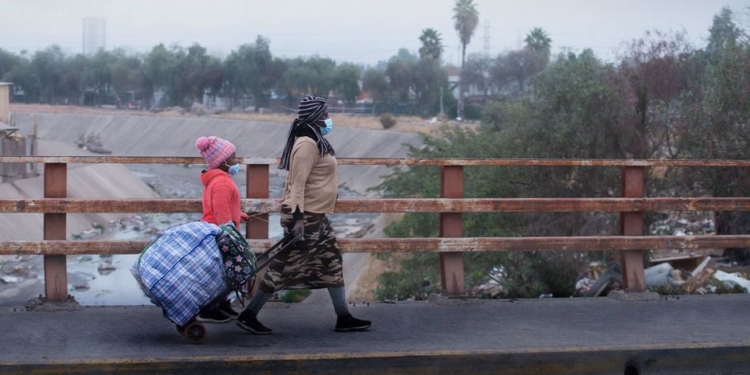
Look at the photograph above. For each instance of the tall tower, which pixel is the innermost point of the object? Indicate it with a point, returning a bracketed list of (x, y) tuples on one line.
[(94, 35), (486, 45)]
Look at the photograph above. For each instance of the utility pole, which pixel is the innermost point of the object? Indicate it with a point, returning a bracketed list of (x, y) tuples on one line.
[(486, 45), (442, 110)]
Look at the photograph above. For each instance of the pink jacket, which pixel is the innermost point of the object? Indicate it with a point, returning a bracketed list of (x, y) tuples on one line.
[(221, 198)]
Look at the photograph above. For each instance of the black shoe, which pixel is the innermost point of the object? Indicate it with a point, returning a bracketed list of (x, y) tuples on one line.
[(212, 316), (349, 323), (225, 307), (250, 323)]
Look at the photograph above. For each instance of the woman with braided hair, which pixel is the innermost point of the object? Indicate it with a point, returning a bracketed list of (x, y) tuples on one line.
[(310, 192)]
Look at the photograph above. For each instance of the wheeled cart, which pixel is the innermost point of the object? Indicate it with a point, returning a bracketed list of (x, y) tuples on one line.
[(183, 270)]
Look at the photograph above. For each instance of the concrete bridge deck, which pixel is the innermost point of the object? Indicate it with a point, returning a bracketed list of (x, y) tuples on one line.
[(669, 335)]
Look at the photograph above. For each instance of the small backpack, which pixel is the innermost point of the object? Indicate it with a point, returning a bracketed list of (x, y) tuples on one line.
[(238, 256)]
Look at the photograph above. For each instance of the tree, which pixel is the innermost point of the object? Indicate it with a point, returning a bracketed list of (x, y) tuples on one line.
[(237, 71), (500, 74), (714, 125), (8, 60), (311, 76), (522, 65), (654, 76), (159, 70), (529, 273), (466, 19), (98, 77), (539, 43), (477, 73), (197, 71), (399, 72), (73, 78), (538, 40), (723, 32), (346, 77), (47, 66), (432, 45), (23, 77), (252, 70), (375, 82), (127, 75), (577, 106), (570, 113), (428, 78)]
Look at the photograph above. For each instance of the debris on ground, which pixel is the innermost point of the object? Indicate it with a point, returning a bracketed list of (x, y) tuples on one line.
[(92, 143), (677, 275), (732, 279), (9, 280), (610, 279), (494, 287), (106, 267)]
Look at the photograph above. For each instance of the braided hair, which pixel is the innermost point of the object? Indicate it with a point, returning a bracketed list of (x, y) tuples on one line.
[(310, 110)]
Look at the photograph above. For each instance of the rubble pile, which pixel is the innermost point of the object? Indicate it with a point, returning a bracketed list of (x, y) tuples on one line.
[(670, 272), (13, 271)]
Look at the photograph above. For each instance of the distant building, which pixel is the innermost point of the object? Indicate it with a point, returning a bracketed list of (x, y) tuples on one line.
[(454, 78), (94, 35), (5, 103), (12, 143)]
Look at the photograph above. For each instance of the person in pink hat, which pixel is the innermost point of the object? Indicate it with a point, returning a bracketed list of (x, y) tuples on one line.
[(221, 204)]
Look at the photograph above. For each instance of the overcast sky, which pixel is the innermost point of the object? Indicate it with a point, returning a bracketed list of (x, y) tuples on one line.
[(360, 31)]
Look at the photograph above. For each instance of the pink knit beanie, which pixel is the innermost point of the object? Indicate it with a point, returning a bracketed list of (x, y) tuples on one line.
[(215, 150)]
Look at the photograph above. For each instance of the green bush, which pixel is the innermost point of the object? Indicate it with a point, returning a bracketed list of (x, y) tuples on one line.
[(419, 275), (295, 295)]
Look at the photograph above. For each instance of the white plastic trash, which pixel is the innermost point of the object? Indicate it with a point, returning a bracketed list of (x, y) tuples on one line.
[(731, 279), (659, 275)]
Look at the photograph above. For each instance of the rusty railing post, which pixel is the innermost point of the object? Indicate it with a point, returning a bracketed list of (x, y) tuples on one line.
[(451, 225), (258, 182), (55, 266), (631, 224)]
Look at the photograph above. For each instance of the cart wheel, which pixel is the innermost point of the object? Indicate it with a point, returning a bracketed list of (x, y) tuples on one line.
[(181, 328), (194, 332)]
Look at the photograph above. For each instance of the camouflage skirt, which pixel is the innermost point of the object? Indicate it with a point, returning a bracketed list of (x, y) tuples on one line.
[(313, 262)]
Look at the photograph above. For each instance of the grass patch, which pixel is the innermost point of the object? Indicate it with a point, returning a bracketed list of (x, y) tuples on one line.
[(296, 296)]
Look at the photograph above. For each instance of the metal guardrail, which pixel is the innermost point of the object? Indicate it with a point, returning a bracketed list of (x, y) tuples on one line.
[(385, 205), (390, 161), (414, 245), (451, 243)]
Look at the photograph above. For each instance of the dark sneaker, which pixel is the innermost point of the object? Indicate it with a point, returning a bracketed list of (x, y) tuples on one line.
[(250, 323), (348, 323), (225, 307), (212, 316)]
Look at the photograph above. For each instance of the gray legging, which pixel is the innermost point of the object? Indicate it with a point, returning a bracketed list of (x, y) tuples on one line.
[(338, 297)]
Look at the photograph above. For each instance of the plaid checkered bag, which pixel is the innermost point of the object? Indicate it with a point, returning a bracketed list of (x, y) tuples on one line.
[(182, 270)]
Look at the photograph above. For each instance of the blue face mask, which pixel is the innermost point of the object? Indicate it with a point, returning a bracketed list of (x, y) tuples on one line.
[(234, 169), (328, 128)]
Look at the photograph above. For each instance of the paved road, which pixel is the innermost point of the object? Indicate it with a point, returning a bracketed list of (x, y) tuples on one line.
[(690, 334)]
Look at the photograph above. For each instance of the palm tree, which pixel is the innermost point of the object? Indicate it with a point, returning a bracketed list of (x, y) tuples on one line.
[(538, 40), (539, 43), (432, 45), (466, 19)]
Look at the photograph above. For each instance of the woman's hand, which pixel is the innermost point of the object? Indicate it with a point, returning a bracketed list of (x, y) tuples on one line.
[(298, 228), (244, 216)]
